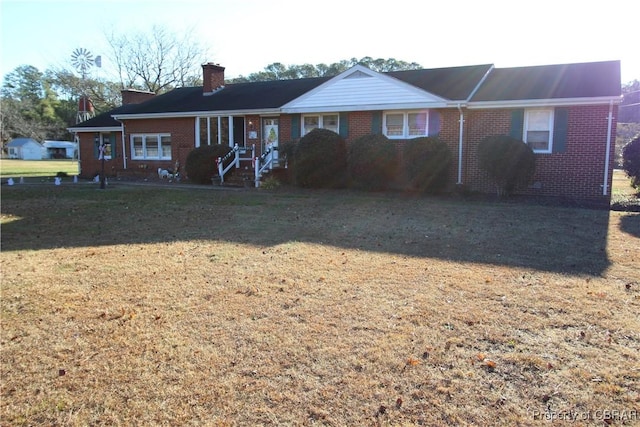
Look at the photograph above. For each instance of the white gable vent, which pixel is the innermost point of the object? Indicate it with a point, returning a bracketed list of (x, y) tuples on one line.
[(357, 75)]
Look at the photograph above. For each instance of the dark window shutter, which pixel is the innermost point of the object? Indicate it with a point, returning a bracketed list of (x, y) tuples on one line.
[(560, 126), (295, 126), (96, 145), (376, 122), (112, 140), (434, 123), (517, 124), (344, 125)]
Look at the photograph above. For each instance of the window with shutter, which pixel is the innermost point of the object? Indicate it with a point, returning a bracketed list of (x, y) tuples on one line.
[(406, 124), (538, 129)]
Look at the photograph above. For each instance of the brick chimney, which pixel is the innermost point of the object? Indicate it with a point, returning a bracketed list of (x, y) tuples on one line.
[(212, 76), (133, 96)]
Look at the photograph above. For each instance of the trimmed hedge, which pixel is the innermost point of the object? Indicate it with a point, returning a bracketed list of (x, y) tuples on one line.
[(509, 162), (427, 161), (373, 162), (201, 162), (321, 160)]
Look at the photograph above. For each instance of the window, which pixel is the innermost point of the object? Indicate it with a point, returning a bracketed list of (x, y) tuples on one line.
[(406, 124), (322, 121), (538, 130), (100, 139), (151, 147)]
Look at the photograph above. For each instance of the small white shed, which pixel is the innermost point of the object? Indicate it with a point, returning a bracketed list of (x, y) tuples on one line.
[(25, 149), (60, 149)]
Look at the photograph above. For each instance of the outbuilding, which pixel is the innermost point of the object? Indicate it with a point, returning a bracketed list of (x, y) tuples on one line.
[(60, 149), (25, 149)]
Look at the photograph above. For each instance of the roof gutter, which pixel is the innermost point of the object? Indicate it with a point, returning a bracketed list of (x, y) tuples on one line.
[(94, 129), (190, 114), (546, 102)]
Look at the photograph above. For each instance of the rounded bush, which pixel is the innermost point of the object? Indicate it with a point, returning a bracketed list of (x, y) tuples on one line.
[(372, 162), (631, 161), (201, 162), (321, 160), (509, 162), (427, 161)]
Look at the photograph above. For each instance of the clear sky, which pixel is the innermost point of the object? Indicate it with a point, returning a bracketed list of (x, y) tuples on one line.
[(245, 36)]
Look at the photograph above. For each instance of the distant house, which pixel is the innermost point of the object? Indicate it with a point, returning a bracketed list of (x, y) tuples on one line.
[(25, 149), (60, 149), (567, 113)]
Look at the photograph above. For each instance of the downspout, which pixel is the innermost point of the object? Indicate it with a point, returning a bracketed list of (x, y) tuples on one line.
[(124, 146), (461, 121), (77, 138), (605, 185)]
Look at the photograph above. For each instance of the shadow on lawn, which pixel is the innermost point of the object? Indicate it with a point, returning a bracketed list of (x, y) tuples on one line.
[(551, 238), (631, 224)]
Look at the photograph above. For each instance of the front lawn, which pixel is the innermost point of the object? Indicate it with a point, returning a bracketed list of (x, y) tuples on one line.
[(141, 305)]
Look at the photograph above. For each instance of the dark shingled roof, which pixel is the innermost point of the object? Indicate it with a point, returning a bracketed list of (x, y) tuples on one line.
[(586, 80), (236, 96), (454, 83), (105, 120)]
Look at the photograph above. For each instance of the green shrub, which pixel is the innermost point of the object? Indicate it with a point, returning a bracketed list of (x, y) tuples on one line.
[(321, 160), (372, 162), (509, 162), (427, 161), (631, 161), (201, 162)]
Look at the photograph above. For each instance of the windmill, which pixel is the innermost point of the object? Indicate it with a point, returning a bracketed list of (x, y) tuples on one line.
[(83, 60)]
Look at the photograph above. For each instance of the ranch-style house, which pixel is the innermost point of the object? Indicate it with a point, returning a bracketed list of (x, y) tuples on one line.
[(565, 112)]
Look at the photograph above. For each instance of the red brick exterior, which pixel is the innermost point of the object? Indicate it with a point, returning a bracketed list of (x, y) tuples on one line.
[(131, 96), (213, 77), (577, 173)]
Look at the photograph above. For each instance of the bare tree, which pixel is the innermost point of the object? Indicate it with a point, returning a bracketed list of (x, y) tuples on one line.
[(157, 61)]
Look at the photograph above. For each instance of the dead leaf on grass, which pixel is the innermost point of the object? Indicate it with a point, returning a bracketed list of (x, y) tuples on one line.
[(412, 361)]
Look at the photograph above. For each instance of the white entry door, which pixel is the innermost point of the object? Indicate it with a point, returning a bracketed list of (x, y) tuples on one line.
[(270, 135)]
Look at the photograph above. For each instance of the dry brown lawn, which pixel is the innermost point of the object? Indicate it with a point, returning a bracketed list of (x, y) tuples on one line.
[(143, 305)]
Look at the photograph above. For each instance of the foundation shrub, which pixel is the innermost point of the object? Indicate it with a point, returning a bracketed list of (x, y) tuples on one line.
[(427, 161), (509, 162), (201, 166), (372, 162), (321, 160), (631, 161)]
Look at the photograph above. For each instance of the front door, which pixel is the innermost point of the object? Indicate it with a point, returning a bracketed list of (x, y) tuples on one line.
[(270, 135)]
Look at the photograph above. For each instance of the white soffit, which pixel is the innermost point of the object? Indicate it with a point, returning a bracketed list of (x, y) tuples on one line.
[(361, 89)]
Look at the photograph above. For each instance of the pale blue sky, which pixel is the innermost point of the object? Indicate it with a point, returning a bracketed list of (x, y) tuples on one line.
[(246, 35)]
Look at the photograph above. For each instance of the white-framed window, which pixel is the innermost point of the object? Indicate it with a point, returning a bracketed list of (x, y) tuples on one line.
[(538, 129), (151, 147), (103, 138), (322, 121), (405, 124)]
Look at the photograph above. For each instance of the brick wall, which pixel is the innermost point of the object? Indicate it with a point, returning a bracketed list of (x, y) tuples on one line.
[(578, 173)]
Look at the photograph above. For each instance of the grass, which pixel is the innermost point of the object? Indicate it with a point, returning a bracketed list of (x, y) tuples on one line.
[(142, 305), (13, 168)]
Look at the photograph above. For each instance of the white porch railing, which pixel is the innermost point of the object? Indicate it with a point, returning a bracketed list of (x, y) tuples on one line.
[(235, 153), (265, 161)]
